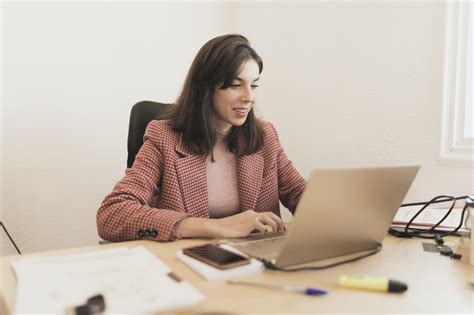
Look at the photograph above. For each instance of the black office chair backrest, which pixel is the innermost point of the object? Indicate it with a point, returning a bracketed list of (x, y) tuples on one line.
[(142, 113)]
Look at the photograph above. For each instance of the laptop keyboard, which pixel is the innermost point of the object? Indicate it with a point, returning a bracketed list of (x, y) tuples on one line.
[(266, 248), (260, 236)]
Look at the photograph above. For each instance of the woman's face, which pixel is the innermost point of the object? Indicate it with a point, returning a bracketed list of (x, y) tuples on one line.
[(232, 105)]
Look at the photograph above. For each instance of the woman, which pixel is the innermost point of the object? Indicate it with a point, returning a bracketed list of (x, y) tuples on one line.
[(212, 167)]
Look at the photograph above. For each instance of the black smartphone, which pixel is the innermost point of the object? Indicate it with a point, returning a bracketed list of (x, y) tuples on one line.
[(216, 256)]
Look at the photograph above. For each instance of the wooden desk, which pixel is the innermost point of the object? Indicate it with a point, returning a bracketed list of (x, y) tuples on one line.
[(435, 284)]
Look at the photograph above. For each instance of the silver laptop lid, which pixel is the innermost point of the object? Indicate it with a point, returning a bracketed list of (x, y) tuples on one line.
[(343, 211)]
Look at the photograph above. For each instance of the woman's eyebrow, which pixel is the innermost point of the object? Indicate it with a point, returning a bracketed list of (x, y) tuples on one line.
[(242, 80)]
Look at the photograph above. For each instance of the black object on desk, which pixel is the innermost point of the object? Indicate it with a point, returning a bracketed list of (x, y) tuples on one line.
[(11, 239), (94, 305)]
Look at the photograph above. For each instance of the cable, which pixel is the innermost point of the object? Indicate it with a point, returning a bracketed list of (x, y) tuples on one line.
[(270, 265), (434, 200), (448, 198), (11, 239), (407, 232), (432, 231)]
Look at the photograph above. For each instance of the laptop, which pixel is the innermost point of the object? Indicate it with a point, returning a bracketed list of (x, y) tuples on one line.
[(341, 211)]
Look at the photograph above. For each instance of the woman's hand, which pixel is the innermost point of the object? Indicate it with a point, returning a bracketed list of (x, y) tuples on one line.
[(238, 225), (242, 224)]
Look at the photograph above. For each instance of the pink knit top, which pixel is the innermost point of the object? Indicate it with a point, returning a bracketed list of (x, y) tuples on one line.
[(222, 184)]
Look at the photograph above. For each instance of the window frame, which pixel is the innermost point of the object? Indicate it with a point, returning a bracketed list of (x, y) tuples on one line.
[(455, 148)]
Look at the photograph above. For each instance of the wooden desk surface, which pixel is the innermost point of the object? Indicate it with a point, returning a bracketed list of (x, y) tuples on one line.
[(435, 284)]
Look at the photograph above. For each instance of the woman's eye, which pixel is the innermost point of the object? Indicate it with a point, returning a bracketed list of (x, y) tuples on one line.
[(238, 85)]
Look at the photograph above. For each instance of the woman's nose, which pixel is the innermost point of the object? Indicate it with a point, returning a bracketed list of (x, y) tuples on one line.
[(247, 95)]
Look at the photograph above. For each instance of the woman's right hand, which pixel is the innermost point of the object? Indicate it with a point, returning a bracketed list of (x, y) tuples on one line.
[(238, 225), (244, 223)]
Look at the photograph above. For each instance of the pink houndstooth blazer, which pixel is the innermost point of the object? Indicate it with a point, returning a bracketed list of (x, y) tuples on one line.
[(166, 169)]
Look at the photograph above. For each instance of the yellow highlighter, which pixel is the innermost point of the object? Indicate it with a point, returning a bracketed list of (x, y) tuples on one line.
[(371, 283)]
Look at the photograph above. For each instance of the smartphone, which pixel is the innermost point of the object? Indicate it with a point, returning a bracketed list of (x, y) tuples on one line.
[(216, 256)]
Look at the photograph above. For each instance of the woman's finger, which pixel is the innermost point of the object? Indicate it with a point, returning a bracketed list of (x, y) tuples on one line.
[(268, 220), (259, 225), (278, 220)]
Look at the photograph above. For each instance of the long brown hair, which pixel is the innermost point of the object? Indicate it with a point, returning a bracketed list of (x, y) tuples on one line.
[(216, 65)]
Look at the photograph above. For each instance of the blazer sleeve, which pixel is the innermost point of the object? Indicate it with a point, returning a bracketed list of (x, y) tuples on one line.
[(290, 183), (126, 214)]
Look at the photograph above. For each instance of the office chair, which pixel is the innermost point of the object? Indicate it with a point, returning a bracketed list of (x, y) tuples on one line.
[(142, 113)]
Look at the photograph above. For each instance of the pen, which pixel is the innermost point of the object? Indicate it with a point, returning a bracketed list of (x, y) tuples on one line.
[(304, 290), (371, 283)]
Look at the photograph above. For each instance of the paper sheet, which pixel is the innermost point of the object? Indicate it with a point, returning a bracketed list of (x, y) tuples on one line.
[(131, 281)]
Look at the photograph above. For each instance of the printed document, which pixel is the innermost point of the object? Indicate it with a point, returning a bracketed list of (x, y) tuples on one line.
[(132, 281)]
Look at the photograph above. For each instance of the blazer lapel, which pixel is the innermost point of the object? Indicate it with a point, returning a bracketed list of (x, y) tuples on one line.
[(191, 172), (249, 176)]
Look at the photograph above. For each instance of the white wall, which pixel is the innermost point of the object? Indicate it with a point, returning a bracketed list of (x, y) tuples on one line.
[(354, 83), (71, 72)]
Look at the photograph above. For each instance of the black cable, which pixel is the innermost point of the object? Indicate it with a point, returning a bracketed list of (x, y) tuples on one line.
[(424, 202), (449, 198), (270, 265), (408, 232), (460, 223), (432, 231), (11, 239)]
